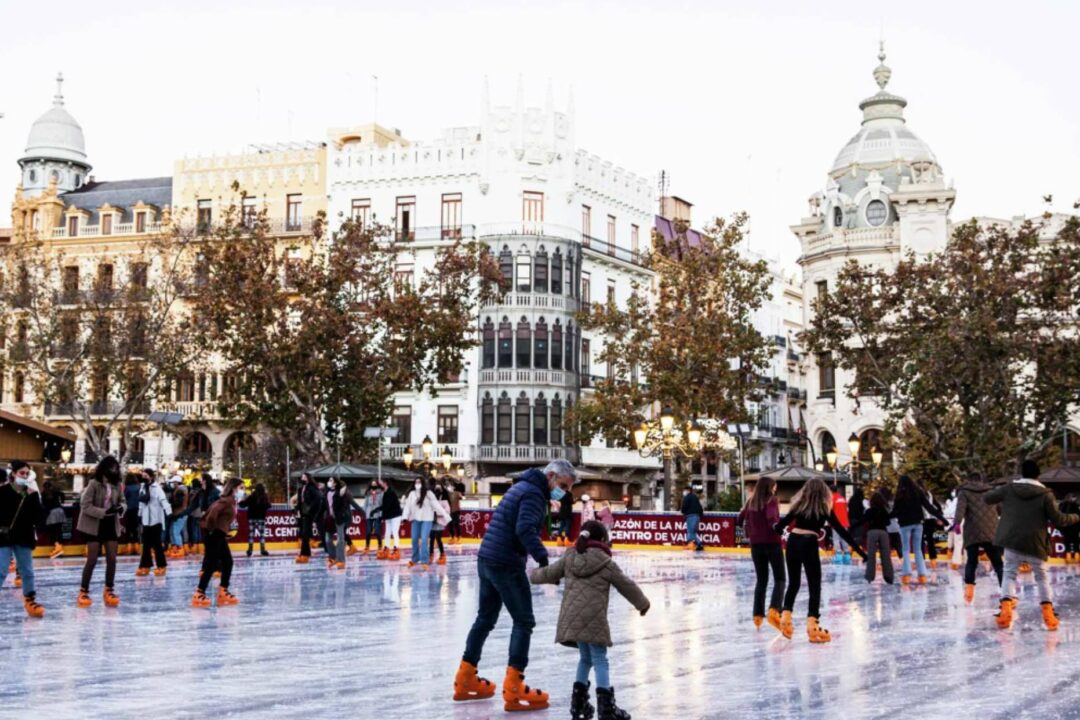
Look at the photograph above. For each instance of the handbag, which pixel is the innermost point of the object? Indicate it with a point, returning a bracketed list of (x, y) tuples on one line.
[(5, 533)]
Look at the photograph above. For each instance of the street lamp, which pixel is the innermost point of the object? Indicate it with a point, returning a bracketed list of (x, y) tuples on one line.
[(65, 456), (426, 463), (854, 445), (876, 456), (664, 440), (447, 458)]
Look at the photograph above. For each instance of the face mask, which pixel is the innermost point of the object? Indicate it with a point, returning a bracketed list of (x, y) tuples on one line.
[(24, 481), (418, 486), (558, 494)]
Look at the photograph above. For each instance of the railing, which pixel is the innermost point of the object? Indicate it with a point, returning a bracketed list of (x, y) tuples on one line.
[(553, 230), (459, 453), (526, 453), (857, 237), (194, 409), (117, 229), (96, 407), (436, 233), (494, 376), (194, 458), (539, 300)]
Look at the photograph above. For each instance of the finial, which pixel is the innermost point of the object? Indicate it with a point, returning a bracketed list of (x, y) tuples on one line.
[(882, 73), (58, 99)]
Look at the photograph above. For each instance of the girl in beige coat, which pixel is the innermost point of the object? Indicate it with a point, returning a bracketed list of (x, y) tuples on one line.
[(590, 573), (100, 509)]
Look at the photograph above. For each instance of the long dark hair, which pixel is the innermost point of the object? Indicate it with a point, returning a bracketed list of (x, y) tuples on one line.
[(591, 531), (230, 487), (878, 500), (107, 470), (764, 490), (259, 493), (906, 489), (423, 490)]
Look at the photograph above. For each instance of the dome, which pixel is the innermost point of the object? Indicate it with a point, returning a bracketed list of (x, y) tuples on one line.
[(56, 135)]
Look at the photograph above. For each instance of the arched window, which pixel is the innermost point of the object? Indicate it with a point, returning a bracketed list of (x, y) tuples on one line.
[(489, 344), (837, 216), (540, 271), (828, 442), (523, 282), (506, 265), (571, 279), (33, 176), (568, 351), (506, 343), (524, 343), (521, 420), (556, 273), (556, 346), (487, 420), (540, 421), (556, 421), (540, 345), (196, 449), (505, 420)]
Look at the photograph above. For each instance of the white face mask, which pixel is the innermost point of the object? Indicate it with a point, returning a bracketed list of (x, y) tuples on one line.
[(418, 486)]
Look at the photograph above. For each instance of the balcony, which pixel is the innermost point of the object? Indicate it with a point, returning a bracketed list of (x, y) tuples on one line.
[(597, 248), (525, 377), (526, 453), (20, 352), (539, 300), (195, 459), (617, 457), (108, 408), (194, 409), (119, 229), (395, 452)]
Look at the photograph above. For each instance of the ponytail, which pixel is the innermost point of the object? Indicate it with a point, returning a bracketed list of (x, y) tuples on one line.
[(591, 531)]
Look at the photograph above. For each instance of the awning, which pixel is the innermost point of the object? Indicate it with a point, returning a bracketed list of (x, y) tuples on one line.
[(1060, 474), (348, 471), (36, 426), (792, 473)]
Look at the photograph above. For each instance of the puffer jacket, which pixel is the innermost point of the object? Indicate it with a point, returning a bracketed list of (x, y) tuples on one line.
[(589, 578), (92, 507), (156, 508), (1026, 508), (21, 511), (980, 520), (514, 530)]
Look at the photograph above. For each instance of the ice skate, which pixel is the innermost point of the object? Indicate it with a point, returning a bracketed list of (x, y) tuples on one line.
[(395, 554), (787, 627), (1050, 618), (35, 610), (690, 546), (381, 554), (468, 685), (84, 600), (580, 707), (815, 632), (339, 565), (18, 581), (110, 598), (773, 618), (57, 551), (922, 579), (758, 619), (142, 572), (442, 559), (1005, 614), (969, 593), (248, 552), (350, 551), (519, 696), (905, 579), (412, 564), (606, 707), (302, 559), (159, 572), (199, 600), (264, 553), (1025, 567), (224, 597)]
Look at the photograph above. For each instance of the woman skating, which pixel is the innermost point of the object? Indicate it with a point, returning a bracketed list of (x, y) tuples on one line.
[(908, 509), (101, 508), (340, 502), (257, 504), (811, 510), (877, 538), (421, 510), (53, 501), (20, 512), (153, 509), (373, 518), (438, 527), (391, 518), (759, 516), (218, 557)]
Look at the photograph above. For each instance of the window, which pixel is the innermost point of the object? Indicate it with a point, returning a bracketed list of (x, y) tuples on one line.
[(586, 288), (405, 218), (78, 179), (826, 375), (822, 290), (540, 421), (448, 425), (610, 369), (20, 387), (487, 421), (506, 265), (106, 224), (586, 366), (293, 212), (556, 346), (837, 217), (451, 215), (403, 277), (205, 215), (361, 212), (611, 234), (556, 273), (521, 421), (504, 420), (249, 212), (569, 358), (586, 224), (611, 291), (524, 274), (506, 344), (876, 213), (185, 388), (73, 226), (540, 345), (70, 296), (104, 280), (524, 342), (488, 353), (635, 239), (540, 271), (402, 420), (33, 176), (828, 443), (556, 421), (532, 209), (139, 273), (140, 222)]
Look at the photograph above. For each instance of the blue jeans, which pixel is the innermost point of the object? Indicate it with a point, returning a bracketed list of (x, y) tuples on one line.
[(839, 544), (692, 522), (502, 585), (420, 532), (911, 539), (564, 527), (176, 531), (24, 563), (594, 657)]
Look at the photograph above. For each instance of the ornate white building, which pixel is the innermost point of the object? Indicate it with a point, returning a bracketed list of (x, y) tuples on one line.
[(885, 196)]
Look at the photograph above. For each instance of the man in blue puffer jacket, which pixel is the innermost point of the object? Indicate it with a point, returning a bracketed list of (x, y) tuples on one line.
[(512, 535)]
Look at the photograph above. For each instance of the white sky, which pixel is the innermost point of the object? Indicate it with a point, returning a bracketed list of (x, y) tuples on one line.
[(744, 104)]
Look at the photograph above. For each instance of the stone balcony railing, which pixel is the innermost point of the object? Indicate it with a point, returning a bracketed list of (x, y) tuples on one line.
[(502, 376), (119, 229)]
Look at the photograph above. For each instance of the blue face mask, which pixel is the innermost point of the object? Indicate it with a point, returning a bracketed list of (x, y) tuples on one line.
[(558, 493)]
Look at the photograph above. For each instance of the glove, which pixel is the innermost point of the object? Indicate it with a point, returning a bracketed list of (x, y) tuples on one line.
[(861, 552), (956, 529), (112, 510), (778, 528), (543, 562)]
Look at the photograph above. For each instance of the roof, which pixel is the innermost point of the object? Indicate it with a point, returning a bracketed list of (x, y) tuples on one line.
[(348, 471), (38, 427), (791, 473), (121, 194), (666, 228)]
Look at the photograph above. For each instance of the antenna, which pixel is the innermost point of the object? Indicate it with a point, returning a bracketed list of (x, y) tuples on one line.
[(664, 179)]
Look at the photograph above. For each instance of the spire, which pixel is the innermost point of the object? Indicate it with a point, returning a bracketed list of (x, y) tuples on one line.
[(882, 72), (58, 98), (883, 106)]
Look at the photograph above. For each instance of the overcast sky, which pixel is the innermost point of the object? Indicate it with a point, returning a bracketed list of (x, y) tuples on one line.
[(745, 105)]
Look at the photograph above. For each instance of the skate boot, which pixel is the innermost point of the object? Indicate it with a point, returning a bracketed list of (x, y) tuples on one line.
[(159, 572), (519, 696), (84, 600), (1050, 618), (18, 581), (110, 598), (224, 597), (34, 610), (264, 553), (302, 559), (199, 600), (340, 565), (815, 632), (773, 618), (442, 559), (969, 593), (249, 551), (381, 554), (922, 579), (787, 627), (350, 551), (330, 563), (758, 619), (689, 546), (395, 554), (142, 572), (607, 709), (905, 579), (1005, 614), (470, 686), (1025, 567), (57, 551), (580, 707)]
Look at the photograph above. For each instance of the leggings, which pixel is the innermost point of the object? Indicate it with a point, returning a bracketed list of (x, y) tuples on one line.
[(93, 550), (802, 554), (218, 557), (992, 551), (151, 541), (929, 528), (766, 556), (372, 526), (54, 533), (436, 537), (455, 524), (391, 533), (305, 536)]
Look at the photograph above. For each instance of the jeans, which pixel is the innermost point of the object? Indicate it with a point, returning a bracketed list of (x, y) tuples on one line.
[(839, 544), (177, 531), (802, 554), (877, 542), (455, 524), (911, 541), (992, 551), (193, 532), (420, 531), (502, 585), (24, 563), (692, 522), (342, 541), (372, 526), (151, 542), (564, 527), (1010, 586), (594, 657), (218, 557), (766, 556), (436, 537)]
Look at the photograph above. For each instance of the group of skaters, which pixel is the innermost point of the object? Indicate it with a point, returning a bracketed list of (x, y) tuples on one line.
[(1007, 522)]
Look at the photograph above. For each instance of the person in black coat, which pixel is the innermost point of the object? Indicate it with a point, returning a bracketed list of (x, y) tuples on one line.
[(908, 511), (566, 515), (21, 512), (257, 504), (692, 511), (391, 518), (308, 504)]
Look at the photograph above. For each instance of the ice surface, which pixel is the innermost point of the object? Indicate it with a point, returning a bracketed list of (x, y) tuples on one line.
[(380, 641)]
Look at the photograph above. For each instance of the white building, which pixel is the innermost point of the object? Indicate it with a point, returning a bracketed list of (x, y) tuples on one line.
[(567, 227)]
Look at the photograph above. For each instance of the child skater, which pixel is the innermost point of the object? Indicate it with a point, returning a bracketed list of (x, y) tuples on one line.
[(590, 572), (218, 557), (877, 538), (761, 513), (811, 509)]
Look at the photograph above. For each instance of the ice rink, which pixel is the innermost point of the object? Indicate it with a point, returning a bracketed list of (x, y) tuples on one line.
[(380, 641)]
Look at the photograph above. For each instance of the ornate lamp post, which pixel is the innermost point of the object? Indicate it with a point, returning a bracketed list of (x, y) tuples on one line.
[(664, 439), (446, 458)]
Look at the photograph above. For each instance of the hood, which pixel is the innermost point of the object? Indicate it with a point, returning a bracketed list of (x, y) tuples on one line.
[(1028, 489), (588, 563), (975, 486)]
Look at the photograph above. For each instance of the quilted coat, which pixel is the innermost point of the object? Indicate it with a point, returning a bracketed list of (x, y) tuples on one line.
[(92, 507), (514, 529), (980, 520), (1026, 507), (589, 577)]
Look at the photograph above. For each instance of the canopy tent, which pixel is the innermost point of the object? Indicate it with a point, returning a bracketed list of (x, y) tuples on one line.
[(793, 473), (1060, 474), (583, 474), (348, 471)]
